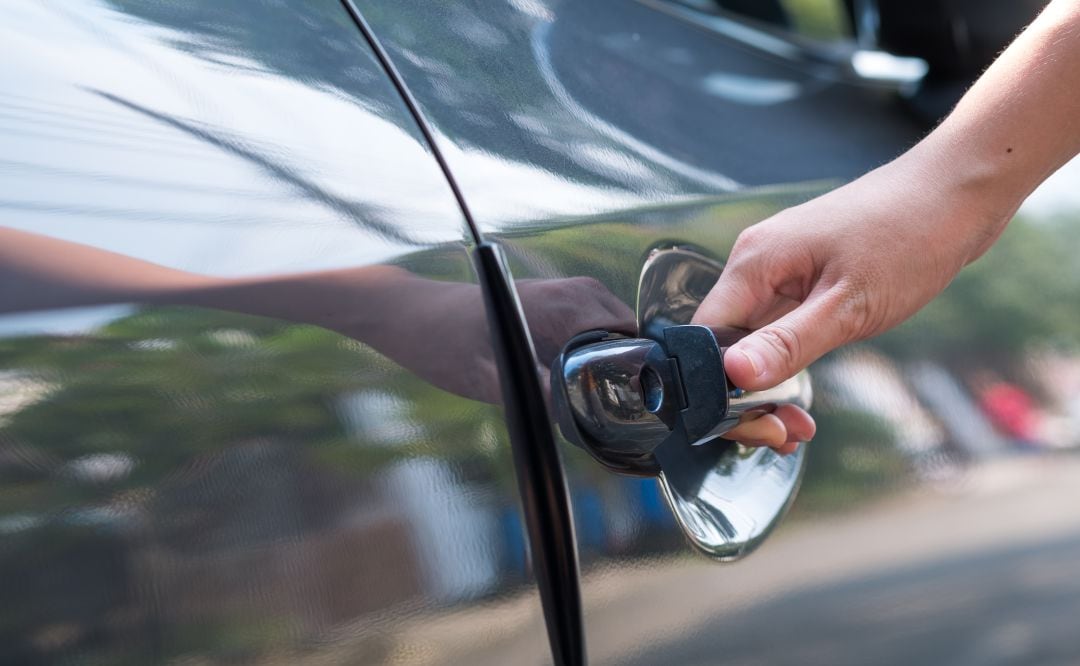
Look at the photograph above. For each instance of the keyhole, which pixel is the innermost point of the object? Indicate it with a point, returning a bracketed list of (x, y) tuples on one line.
[(652, 388)]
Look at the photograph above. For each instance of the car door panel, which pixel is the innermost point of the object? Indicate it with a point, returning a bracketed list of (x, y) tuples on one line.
[(248, 400), (586, 135)]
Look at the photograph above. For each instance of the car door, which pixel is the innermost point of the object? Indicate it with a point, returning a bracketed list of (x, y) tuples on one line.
[(249, 404), (595, 141)]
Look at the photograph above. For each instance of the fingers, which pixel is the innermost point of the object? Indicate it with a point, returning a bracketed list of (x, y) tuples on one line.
[(756, 290), (759, 430), (788, 449), (782, 430), (797, 422), (758, 284)]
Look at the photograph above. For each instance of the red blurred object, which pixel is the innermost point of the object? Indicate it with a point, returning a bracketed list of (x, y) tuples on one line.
[(1011, 410)]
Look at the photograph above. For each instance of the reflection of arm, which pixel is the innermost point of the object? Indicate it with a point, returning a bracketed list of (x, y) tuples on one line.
[(40, 273), (436, 329), (381, 305)]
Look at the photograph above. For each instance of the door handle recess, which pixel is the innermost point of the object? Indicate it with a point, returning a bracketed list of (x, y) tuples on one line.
[(657, 405)]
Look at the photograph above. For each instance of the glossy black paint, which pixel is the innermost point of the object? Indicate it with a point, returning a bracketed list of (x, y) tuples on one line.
[(414, 111), (226, 432), (285, 451), (586, 135), (536, 460), (583, 108)]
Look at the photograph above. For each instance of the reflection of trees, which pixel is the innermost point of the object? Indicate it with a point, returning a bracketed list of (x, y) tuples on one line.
[(167, 385), (308, 41), (370, 217), (242, 451), (449, 54)]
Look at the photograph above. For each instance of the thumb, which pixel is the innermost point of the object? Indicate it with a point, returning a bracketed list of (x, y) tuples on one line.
[(781, 349)]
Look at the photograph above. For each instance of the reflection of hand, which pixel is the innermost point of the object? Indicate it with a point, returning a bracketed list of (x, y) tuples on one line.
[(558, 309), (441, 332), (438, 330)]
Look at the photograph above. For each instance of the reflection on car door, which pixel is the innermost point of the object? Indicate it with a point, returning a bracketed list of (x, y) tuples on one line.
[(584, 136), (248, 401)]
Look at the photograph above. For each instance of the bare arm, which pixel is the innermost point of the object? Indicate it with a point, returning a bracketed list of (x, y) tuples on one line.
[(863, 258)]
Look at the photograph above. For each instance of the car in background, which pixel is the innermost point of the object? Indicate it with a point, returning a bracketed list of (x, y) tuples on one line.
[(955, 39), (336, 331)]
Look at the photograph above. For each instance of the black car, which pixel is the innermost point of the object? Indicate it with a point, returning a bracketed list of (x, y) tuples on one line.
[(348, 331)]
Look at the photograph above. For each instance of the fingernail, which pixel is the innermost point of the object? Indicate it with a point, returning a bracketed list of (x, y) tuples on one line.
[(757, 364)]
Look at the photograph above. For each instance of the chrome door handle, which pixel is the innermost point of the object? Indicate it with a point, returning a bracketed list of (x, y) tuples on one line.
[(622, 398), (656, 405)]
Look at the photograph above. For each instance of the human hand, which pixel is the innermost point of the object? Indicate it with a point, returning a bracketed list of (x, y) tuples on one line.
[(782, 429), (559, 309), (436, 329), (462, 361), (842, 267)]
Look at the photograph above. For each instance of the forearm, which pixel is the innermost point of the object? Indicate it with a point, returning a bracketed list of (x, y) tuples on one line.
[(1017, 124), (361, 302), (38, 273), (864, 257)]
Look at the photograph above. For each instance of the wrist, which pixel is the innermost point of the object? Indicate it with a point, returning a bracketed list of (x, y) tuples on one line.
[(976, 192)]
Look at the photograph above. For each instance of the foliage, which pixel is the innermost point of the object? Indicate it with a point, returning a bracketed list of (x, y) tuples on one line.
[(1025, 292), (820, 19), (852, 458), (167, 385)]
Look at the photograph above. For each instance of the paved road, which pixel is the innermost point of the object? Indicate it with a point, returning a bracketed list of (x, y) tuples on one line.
[(984, 570), (1007, 606)]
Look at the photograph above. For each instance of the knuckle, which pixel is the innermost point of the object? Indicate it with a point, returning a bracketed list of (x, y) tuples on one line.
[(853, 308), (784, 341), (586, 282), (746, 255), (584, 287), (749, 239)]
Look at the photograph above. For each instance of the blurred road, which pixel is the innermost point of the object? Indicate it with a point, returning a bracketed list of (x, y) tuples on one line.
[(1007, 606), (983, 571)]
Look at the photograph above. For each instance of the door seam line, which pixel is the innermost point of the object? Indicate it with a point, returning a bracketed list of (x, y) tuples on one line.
[(540, 474)]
